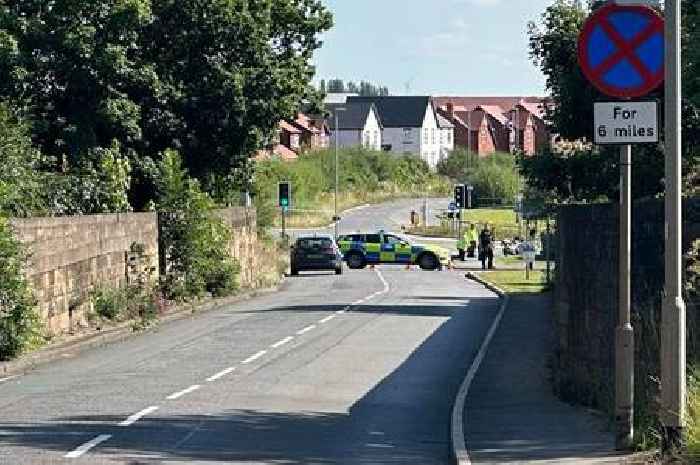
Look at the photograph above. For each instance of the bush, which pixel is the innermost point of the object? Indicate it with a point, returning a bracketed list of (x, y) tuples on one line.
[(195, 240), (19, 322), (495, 178)]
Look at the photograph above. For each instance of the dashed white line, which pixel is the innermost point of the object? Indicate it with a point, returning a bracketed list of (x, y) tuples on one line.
[(137, 416), (380, 446), (221, 374), (306, 330), (184, 392), (327, 319), (78, 452), (2, 380), (360, 302), (253, 358), (279, 344)]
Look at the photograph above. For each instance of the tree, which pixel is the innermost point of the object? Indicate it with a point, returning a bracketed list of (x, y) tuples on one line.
[(553, 48), (20, 181), (363, 88), (195, 75)]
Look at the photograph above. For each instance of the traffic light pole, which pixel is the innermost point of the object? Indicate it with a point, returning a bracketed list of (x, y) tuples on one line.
[(673, 350)]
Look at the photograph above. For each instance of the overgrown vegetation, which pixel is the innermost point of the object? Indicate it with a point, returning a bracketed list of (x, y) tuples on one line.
[(19, 325), (129, 303), (495, 178), (364, 176), (589, 173), (196, 241)]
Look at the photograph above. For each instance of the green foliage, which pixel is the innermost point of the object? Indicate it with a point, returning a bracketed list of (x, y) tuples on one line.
[(20, 182), (19, 321), (210, 78), (129, 303), (495, 178), (360, 170), (553, 48), (99, 186), (195, 239)]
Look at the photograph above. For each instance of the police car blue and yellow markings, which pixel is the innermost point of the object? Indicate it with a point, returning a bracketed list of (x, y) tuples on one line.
[(391, 248)]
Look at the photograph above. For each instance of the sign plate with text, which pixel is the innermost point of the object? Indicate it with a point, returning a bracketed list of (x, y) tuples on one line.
[(626, 123)]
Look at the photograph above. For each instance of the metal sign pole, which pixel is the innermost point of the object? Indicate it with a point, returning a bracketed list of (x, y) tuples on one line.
[(673, 350), (624, 343)]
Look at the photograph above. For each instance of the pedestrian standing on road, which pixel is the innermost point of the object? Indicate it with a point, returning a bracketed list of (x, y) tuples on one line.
[(486, 248), (472, 239)]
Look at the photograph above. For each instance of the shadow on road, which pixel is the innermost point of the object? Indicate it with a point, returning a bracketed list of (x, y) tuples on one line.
[(402, 420)]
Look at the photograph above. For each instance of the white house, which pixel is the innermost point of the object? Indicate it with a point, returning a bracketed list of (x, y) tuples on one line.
[(447, 135), (358, 125), (409, 125)]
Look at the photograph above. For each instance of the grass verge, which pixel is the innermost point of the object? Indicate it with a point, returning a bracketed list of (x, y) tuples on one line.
[(514, 281), (694, 414)]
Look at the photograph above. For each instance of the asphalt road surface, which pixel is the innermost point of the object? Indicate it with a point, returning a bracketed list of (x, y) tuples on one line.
[(354, 369)]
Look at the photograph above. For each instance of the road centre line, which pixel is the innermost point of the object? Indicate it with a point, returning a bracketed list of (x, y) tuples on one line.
[(279, 344), (137, 416), (306, 330), (9, 378), (253, 358), (221, 374), (184, 392), (80, 450), (327, 319)]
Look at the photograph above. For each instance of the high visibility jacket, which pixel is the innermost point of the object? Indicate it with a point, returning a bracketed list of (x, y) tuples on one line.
[(472, 235)]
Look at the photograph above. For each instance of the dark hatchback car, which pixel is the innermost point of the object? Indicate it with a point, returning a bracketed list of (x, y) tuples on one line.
[(316, 253)]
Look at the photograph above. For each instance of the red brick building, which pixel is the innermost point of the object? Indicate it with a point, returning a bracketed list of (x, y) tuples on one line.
[(497, 124)]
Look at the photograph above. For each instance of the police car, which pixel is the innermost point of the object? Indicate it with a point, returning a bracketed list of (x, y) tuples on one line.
[(360, 250)]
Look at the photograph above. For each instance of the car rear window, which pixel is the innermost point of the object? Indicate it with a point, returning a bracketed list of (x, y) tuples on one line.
[(374, 239), (315, 243)]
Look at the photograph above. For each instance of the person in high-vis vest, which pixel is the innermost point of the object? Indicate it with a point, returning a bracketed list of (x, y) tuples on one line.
[(471, 237)]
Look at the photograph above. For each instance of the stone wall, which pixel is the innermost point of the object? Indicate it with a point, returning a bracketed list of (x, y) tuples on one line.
[(586, 299), (70, 257)]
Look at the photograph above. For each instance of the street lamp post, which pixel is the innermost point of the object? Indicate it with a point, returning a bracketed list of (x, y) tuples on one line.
[(673, 350), (336, 219)]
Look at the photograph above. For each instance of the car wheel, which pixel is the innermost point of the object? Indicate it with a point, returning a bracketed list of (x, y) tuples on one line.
[(294, 272), (428, 262), (339, 270), (356, 261)]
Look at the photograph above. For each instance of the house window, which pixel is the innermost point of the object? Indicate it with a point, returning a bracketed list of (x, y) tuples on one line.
[(367, 141), (434, 139), (294, 141), (407, 136), (449, 136), (426, 134), (375, 139)]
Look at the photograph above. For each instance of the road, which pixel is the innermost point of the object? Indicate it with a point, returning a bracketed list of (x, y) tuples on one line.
[(356, 369)]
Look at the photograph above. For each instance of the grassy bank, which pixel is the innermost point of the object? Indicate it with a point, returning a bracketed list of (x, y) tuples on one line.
[(364, 177), (503, 220), (694, 414)]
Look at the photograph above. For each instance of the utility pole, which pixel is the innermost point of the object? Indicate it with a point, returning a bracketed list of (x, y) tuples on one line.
[(673, 350)]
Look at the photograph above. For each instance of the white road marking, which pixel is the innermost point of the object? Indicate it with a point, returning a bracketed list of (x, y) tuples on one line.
[(459, 442), (327, 319), (340, 312), (381, 278), (279, 344), (359, 302), (253, 358), (184, 392), (380, 446), (74, 454), (137, 416), (2, 380), (221, 374), (306, 330)]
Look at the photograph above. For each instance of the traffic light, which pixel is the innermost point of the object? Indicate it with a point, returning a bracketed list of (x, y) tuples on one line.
[(461, 196), (284, 195)]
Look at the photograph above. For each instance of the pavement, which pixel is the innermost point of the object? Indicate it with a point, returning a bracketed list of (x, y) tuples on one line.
[(512, 416)]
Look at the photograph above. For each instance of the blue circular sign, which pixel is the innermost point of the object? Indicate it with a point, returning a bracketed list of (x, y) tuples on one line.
[(621, 50)]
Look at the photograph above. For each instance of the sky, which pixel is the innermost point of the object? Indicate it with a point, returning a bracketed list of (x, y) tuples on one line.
[(435, 47)]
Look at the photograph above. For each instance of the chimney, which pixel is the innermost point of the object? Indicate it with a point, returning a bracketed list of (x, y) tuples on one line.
[(450, 110)]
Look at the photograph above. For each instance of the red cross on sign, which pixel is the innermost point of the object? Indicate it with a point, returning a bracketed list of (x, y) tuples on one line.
[(621, 50)]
